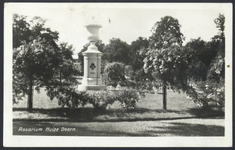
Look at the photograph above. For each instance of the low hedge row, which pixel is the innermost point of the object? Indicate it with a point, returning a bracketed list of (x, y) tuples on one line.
[(99, 99)]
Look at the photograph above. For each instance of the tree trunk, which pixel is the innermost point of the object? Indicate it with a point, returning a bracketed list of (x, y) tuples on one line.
[(60, 77), (30, 95), (164, 97)]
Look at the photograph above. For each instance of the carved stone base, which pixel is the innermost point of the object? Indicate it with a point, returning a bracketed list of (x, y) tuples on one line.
[(91, 87)]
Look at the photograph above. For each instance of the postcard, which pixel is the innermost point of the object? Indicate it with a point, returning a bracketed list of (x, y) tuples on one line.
[(118, 75)]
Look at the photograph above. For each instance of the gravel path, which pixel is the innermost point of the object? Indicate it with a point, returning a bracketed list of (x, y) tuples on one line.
[(180, 127)]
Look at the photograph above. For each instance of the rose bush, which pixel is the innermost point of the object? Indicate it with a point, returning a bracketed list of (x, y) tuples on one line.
[(208, 93), (127, 98), (101, 99), (68, 96)]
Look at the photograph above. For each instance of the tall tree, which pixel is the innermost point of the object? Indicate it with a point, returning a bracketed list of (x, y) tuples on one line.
[(114, 73), (163, 58), (203, 53), (206, 67), (217, 69), (34, 62), (21, 31), (216, 73), (220, 25), (138, 51), (117, 51), (139, 79), (66, 68), (33, 66)]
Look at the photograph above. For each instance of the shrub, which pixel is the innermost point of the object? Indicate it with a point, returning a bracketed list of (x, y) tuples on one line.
[(215, 93), (114, 73), (68, 96), (128, 98), (71, 98), (209, 93), (101, 99)]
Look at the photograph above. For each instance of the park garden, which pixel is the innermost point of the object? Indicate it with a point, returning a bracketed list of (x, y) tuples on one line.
[(155, 78)]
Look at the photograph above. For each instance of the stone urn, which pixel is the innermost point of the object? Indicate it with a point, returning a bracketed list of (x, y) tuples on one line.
[(92, 62)]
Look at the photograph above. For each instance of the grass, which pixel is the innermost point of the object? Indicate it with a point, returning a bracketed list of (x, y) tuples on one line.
[(148, 108)]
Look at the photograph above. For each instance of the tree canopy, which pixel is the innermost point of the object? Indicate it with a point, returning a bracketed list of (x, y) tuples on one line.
[(166, 60), (178, 66), (165, 33), (114, 73), (138, 51), (117, 51), (36, 57), (163, 60)]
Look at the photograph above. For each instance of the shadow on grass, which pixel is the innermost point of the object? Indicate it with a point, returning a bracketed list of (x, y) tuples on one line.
[(115, 115), (206, 112), (186, 129), (179, 129)]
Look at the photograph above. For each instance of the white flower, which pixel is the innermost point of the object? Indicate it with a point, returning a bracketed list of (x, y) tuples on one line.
[(217, 71)]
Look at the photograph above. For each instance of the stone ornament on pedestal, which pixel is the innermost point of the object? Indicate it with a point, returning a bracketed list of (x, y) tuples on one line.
[(92, 62)]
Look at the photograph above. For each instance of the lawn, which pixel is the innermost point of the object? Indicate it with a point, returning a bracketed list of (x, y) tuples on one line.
[(148, 108)]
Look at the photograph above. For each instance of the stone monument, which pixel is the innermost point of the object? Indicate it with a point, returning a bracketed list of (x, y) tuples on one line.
[(92, 61)]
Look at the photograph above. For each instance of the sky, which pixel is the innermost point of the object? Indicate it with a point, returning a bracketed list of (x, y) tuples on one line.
[(126, 21)]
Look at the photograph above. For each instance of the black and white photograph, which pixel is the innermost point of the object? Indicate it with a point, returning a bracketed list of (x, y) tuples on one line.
[(118, 74)]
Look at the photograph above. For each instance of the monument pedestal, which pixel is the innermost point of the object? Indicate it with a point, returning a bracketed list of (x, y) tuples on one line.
[(84, 88), (92, 69)]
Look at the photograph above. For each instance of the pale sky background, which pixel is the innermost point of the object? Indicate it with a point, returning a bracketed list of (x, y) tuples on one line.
[(128, 21)]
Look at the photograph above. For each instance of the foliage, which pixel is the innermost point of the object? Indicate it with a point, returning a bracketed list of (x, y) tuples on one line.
[(184, 67), (170, 66), (37, 58), (127, 98), (166, 33), (209, 84), (138, 51), (114, 73), (34, 62), (66, 68), (21, 30), (220, 24), (201, 54), (208, 94), (161, 61), (140, 80), (164, 59), (70, 97), (217, 69), (148, 107), (101, 99), (117, 51)]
